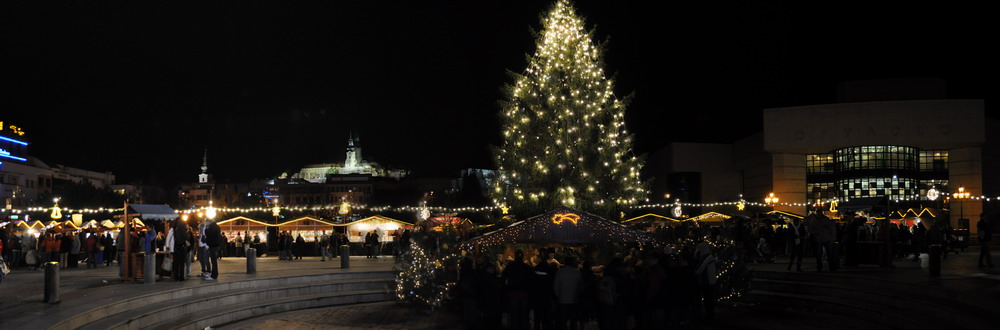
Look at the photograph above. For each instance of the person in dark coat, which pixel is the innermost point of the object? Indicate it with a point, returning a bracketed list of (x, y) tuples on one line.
[(985, 237), (181, 244), (213, 238), (489, 294), (824, 231), (516, 279), (300, 244)]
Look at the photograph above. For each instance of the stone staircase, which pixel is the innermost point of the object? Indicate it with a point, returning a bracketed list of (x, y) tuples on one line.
[(228, 302), (878, 302)]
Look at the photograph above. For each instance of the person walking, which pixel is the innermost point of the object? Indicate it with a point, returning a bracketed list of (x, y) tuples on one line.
[(795, 238), (985, 237), (213, 238), (74, 250), (707, 273), (323, 246)]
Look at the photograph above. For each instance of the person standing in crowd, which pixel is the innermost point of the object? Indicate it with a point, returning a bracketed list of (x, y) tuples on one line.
[(567, 286), (91, 248), (213, 238), (541, 291), (15, 247), (300, 246), (489, 294), (795, 240), (29, 244), (74, 250), (178, 245), (223, 245), (53, 246), (851, 240), (323, 246), (110, 249), (238, 245), (707, 273), (407, 235), (823, 230), (613, 294), (652, 300), (335, 244), (587, 301), (65, 246), (985, 237), (281, 246), (516, 278), (203, 250), (467, 293), (120, 251)]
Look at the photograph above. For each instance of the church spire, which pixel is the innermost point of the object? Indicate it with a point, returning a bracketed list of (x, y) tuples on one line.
[(204, 177), (204, 162)]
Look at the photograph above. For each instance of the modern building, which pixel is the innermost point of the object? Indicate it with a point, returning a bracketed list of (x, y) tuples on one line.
[(864, 155), (24, 178)]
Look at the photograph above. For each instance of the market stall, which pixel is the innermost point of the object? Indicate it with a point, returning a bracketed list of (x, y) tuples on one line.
[(563, 226)]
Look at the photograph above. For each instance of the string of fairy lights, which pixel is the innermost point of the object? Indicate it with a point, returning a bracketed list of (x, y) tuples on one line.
[(439, 209)]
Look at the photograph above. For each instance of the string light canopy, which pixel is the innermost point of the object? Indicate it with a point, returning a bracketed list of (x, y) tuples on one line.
[(563, 226)]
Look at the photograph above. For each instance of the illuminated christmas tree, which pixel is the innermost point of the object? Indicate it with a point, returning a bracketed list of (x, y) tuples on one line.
[(565, 142)]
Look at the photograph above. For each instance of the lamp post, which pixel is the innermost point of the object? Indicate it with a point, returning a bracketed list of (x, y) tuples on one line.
[(960, 195), (771, 200)]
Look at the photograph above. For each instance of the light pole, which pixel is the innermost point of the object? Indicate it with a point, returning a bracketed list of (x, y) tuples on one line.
[(771, 200), (959, 196)]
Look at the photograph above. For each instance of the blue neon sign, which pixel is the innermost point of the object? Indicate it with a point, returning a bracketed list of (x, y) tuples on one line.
[(12, 140), (5, 153)]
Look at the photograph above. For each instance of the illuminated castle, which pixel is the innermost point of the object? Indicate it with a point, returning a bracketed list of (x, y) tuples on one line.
[(353, 164)]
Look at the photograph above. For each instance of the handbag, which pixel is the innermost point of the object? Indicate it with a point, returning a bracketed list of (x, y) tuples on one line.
[(168, 263)]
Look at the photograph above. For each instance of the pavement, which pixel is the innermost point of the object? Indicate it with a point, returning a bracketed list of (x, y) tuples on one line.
[(23, 289)]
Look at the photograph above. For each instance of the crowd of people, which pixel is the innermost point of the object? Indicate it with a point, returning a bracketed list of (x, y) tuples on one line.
[(22, 248), (646, 289), (26, 248)]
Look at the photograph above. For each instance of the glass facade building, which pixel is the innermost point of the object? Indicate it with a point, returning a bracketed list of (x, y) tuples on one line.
[(899, 172)]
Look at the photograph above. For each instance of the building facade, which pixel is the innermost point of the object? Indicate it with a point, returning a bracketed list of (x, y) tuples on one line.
[(892, 153)]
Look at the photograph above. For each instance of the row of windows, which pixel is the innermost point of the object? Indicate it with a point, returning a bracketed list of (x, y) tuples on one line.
[(895, 188), (876, 157)]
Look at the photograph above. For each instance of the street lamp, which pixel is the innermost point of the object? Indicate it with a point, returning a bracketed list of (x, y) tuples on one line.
[(770, 200), (959, 196)]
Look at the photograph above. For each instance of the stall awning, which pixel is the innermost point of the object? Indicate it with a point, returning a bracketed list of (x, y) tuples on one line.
[(153, 211)]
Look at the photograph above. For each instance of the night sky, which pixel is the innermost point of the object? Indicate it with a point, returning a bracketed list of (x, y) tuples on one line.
[(140, 91)]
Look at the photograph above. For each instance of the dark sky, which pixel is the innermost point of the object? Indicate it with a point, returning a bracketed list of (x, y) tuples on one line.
[(140, 91)]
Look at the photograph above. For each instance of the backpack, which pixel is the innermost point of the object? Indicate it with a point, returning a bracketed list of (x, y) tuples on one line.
[(607, 291)]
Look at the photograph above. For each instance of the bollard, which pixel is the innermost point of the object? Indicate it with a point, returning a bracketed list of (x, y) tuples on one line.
[(345, 256), (934, 266), (251, 260), (149, 268), (52, 282)]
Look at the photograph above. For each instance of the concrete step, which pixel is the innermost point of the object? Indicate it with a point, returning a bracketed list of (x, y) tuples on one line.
[(868, 312), (87, 316), (223, 315), (907, 304), (144, 316)]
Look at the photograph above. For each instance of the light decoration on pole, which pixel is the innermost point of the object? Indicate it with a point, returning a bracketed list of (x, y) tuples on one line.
[(345, 208), (210, 212), (933, 194), (771, 199), (56, 211), (565, 141)]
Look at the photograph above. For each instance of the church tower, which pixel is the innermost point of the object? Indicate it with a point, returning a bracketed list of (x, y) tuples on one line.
[(204, 177), (353, 159)]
